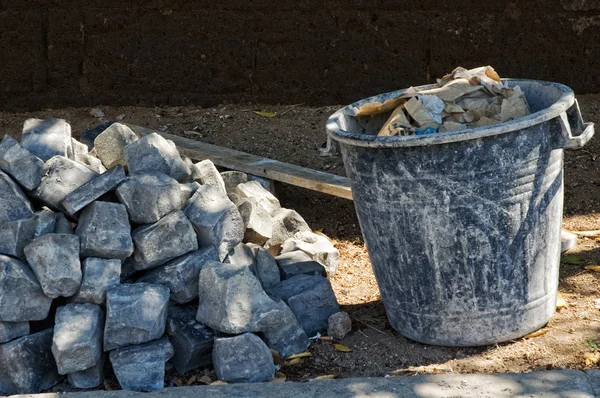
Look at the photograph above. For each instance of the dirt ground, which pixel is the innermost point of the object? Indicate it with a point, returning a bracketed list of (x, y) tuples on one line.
[(294, 136)]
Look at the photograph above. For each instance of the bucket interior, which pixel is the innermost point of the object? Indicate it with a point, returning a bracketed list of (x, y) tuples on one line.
[(540, 95)]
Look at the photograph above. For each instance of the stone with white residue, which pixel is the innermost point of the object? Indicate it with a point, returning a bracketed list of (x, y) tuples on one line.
[(88, 378), (91, 162), (181, 274), (149, 196), (192, 341), (54, 259), (207, 173), (231, 298), (286, 224), (26, 168), (188, 190), (63, 177), (22, 298), (15, 235), (98, 275), (79, 148), (339, 325), (13, 203), (317, 247), (243, 359), (154, 153), (256, 193), (12, 330), (92, 190), (27, 365), (109, 145), (232, 179), (310, 298), (298, 263), (104, 231), (155, 244), (47, 138), (142, 367), (77, 342), (135, 313), (216, 219)]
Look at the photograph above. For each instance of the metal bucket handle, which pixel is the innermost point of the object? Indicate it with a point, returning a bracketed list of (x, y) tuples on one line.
[(571, 122)]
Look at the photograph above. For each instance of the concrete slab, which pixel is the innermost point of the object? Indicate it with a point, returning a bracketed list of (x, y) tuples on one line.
[(547, 384)]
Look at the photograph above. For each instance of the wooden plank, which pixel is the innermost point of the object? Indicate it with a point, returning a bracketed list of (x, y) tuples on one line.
[(258, 165)]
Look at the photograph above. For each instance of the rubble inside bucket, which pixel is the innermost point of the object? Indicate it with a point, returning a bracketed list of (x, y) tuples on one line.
[(121, 250), (461, 100)]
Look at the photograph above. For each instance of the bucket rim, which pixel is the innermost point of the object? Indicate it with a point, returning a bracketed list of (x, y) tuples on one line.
[(566, 100)]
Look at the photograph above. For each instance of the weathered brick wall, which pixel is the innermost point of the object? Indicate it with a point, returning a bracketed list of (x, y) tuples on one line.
[(67, 52)]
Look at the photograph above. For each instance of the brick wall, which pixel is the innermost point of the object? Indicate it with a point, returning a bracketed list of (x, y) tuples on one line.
[(67, 52)]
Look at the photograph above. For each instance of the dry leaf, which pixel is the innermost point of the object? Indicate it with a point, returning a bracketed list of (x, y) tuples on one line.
[(219, 383), (374, 108), (279, 378), (301, 355), (588, 234), (325, 377), (591, 358), (205, 380), (342, 348), (326, 338), (107, 386), (192, 380), (574, 259), (265, 114), (595, 268), (561, 303), (537, 333), (177, 381), (276, 358), (293, 362)]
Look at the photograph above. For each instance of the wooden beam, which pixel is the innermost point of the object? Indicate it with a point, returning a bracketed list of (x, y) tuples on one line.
[(257, 165)]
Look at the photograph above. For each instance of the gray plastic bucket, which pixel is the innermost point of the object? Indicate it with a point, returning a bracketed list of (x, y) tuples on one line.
[(463, 228)]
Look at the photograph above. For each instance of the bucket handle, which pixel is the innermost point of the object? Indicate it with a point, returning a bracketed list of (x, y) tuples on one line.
[(572, 121)]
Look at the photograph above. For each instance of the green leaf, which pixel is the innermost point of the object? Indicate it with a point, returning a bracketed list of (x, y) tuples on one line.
[(574, 259), (265, 114)]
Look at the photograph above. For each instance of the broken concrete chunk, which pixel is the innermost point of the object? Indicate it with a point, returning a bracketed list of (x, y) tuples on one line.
[(154, 153), (150, 196), (244, 208), (92, 190), (192, 341), (310, 298), (79, 148), (298, 263), (135, 313), (47, 138), (188, 190), (231, 298), (88, 136), (22, 298), (232, 179), (27, 365), (62, 225), (286, 224), (339, 325), (13, 203), (241, 255), (142, 367), (256, 193), (266, 269), (15, 235), (181, 274), (109, 145), (77, 342), (242, 359), (318, 248), (282, 331), (91, 162), (155, 244), (63, 177), (207, 173), (259, 228), (266, 183), (88, 378), (104, 231), (12, 330), (26, 168), (216, 219), (54, 259), (98, 275)]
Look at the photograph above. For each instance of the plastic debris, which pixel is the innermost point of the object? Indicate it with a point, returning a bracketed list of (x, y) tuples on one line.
[(462, 100)]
